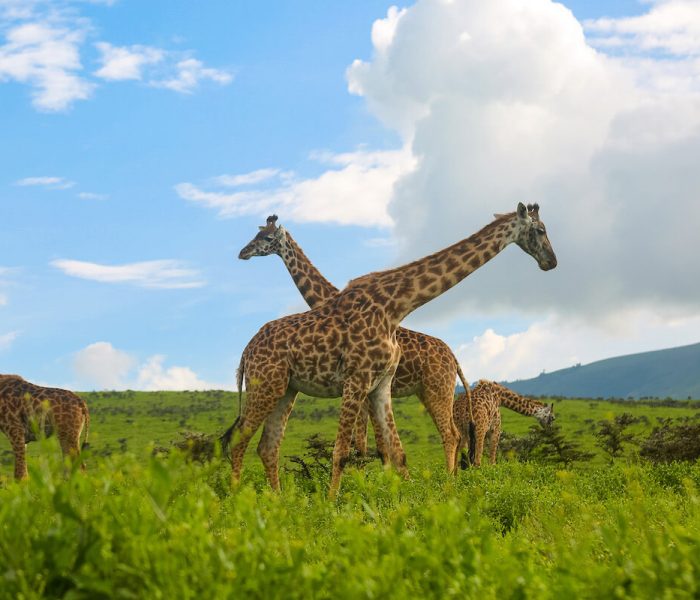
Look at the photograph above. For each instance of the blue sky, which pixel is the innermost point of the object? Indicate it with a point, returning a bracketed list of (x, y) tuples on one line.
[(118, 243)]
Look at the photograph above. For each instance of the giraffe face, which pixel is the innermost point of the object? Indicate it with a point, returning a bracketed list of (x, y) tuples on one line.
[(269, 240), (545, 415), (532, 237)]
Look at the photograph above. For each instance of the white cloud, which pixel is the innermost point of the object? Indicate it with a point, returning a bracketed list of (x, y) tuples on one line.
[(105, 367), (506, 101), (257, 176), (356, 191), (555, 343), (7, 339), (3, 299), (102, 365), (671, 26), (190, 72), (153, 376), (161, 274), (53, 183), (126, 62), (43, 46), (46, 56), (91, 196)]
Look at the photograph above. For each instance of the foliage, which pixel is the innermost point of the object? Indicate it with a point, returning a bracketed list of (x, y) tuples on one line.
[(670, 442), (613, 435), (154, 527), (546, 444)]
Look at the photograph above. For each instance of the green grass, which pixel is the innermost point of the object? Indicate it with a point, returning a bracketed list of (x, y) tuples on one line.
[(138, 526)]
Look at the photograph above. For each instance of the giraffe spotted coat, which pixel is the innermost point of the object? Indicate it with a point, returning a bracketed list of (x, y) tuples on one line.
[(27, 409)]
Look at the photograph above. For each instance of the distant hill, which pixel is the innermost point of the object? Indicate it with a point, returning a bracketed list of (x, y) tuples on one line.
[(673, 373)]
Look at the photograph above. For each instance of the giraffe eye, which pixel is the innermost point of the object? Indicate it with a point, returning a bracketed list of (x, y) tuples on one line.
[(269, 238)]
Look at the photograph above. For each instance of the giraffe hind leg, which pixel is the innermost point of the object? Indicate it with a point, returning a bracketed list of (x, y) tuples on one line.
[(273, 432)]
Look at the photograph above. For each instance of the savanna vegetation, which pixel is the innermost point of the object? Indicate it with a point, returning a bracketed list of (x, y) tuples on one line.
[(621, 519)]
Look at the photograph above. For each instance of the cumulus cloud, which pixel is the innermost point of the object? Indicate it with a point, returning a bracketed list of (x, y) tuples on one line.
[(555, 343), (507, 101), (46, 56), (127, 62), (160, 274), (190, 72), (43, 46), (102, 365), (52, 183), (355, 189), (105, 367)]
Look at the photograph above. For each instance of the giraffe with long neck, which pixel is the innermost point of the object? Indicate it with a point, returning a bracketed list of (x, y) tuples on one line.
[(427, 368), (27, 409), (347, 346), (486, 399)]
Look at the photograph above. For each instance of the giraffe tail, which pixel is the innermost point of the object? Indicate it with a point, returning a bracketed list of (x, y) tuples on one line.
[(227, 436), (470, 414), (86, 422)]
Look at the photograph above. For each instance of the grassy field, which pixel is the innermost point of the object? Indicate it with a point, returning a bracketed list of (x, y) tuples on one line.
[(140, 526)]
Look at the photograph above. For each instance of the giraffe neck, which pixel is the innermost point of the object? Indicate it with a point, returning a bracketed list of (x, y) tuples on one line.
[(518, 403), (313, 286), (416, 283)]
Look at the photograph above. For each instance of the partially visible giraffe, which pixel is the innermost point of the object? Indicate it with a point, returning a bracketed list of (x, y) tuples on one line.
[(347, 346), (486, 399), (427, 368), (27, 409)]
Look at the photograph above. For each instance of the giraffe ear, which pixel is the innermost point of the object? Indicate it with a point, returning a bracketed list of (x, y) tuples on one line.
[(522, 210)]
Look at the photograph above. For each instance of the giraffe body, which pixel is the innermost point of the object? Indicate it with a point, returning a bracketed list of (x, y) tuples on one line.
[(348, 344), (27, 409), (486, 399), (427, 367)]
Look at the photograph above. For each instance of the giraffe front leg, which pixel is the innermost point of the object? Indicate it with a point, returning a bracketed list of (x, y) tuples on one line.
[(19, 448), (495, 437), (353, 398), (273, 432), (480, 435)]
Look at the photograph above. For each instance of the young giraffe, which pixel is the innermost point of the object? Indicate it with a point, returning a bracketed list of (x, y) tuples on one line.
[(347, 345), (26, 408), (427, 367), (486, 399)]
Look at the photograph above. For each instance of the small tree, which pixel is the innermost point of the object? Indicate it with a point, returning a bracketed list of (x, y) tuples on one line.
[(545, 444), (612, 436)]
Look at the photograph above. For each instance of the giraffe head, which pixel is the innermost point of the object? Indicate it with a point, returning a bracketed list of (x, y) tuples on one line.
[(545, 414), (531, 236), (269, 240)]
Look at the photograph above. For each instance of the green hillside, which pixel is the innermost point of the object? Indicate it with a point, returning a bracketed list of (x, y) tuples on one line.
[(674, 373)]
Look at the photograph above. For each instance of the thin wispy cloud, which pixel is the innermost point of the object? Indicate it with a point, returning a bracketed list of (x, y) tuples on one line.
[(127, 62), (670, 26), (92, 196), (190, 72), (154, 274), (251, 178), (356, 190), (7, 339), (53, 183)]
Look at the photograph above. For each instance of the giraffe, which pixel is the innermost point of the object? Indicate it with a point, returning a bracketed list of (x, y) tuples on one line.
[(486, 399), (27, 409), (427, 367), (347, 346)]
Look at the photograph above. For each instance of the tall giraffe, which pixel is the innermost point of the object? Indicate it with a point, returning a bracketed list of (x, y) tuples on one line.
[(427, 368), (347, 346), (26, 409), (486, 399)]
